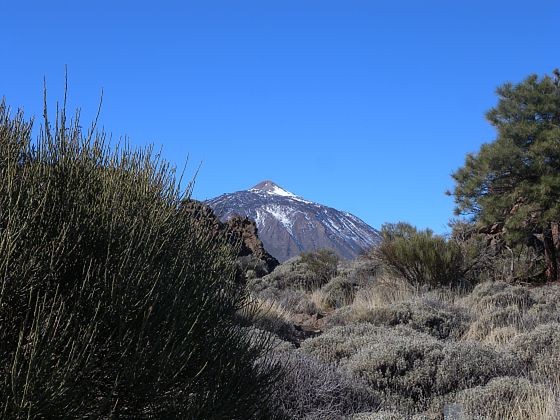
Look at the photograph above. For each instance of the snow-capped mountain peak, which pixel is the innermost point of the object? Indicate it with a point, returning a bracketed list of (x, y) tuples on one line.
[(289, 224), (269, 187)]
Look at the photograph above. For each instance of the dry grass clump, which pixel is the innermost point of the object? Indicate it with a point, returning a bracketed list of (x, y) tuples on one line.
[(509, 398), (501, 310), (385, 291), (541, 313), (546, 294), (293, 301), (499, 337), (288, 286), (312, 389), (391, 302)]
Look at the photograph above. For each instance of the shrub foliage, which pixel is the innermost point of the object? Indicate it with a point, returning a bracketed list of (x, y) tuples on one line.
[(420, 257), (323, 264), (113, 301)]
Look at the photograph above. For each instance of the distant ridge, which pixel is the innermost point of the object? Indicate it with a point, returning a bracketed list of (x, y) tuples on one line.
[(288, 224)]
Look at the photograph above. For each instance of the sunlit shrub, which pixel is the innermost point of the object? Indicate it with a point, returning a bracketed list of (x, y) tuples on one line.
[(293, 274), (542, 343), (323, 264), (420, 257), (422, 314), (338, 292), (508, 398), (341, 342), (491, 295), (493, 319), (409, 368)]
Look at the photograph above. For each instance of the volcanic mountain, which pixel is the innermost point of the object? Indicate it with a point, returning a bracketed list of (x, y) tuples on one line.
[(288, 224)]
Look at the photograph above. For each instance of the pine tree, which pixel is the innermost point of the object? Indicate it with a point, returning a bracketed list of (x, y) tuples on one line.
[(515, 180)]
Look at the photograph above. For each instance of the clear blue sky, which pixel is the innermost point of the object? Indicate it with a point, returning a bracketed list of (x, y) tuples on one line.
[(366, 106)]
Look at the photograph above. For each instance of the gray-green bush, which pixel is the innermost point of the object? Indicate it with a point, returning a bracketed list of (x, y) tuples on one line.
[(508, 398), (409, 368), (422, 314), (499, 294), (113, 301), (538, 345)]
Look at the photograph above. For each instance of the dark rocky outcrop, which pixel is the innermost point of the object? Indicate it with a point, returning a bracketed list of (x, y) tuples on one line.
[(246, 230), (238, 231)]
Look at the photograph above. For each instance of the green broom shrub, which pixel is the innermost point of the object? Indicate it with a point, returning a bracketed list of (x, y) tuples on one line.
[(114, 301), (420, 257)]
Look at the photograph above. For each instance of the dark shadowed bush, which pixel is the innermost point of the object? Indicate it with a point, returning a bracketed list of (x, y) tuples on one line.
[(490, 259), (313, 389), (420, 257), (113, 301)]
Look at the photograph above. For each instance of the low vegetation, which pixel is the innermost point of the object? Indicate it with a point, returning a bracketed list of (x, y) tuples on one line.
[(116, 302), (486, 351)]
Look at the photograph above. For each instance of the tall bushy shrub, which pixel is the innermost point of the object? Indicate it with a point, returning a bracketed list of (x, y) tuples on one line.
[(323, 264), (420, 257), (114, 302)]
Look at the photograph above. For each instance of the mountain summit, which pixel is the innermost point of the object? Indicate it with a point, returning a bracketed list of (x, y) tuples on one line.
[(270, 187), (288, 224)]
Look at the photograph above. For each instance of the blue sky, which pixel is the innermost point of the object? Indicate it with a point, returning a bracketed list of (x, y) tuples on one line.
[(365, 106)]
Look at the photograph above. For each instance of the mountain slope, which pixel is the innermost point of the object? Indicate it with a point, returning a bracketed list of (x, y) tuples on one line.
[(288, 224)]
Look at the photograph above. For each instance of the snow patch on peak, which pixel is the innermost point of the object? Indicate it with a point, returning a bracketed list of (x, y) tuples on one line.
[(270, 188), (280, 191)]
